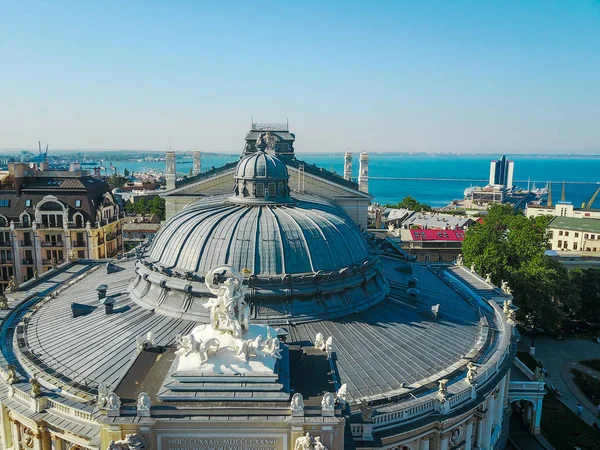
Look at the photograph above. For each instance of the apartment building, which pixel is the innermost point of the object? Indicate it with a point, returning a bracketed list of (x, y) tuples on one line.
[(49, 216)]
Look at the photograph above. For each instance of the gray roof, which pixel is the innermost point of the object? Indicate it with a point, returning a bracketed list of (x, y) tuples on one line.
[(435, 220), (377, 350), (261, 165), (309, 235)]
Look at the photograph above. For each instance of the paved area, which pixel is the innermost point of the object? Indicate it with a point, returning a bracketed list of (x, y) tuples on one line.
[(558, 358)]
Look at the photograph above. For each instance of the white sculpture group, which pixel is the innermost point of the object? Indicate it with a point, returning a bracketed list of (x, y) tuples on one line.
[(229, 314), (324, 345), (229, 310), (308, 442), (188, 345)]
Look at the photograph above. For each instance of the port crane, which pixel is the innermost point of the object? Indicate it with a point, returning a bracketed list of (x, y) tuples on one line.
[(40, 157), (591, 202)]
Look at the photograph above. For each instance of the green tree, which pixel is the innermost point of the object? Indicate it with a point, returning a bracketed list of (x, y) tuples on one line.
[(126, 173), (116, 181), (143, 206), (587, 282), (511, 247), (411, 203)]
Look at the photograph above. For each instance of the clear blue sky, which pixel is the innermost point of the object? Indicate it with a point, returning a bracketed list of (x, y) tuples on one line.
[(480, 76)]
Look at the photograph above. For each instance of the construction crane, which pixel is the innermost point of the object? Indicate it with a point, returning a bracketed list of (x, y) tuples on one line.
[(591, 202)]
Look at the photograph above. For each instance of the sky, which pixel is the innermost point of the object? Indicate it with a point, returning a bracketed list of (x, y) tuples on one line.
[(467, 76)]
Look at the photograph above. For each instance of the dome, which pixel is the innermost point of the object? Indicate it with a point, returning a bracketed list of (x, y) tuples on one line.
[(307, 236), (261, 165)]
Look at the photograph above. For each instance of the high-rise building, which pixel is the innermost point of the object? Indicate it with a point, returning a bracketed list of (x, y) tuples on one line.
[(501, 172), (49, 216)]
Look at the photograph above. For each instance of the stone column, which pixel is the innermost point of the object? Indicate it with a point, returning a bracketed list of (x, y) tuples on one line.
[(348, 165), (499, 409), (469, 435), (537, 418), (445, 441), (56, 442), (171, 172), (479, 436), (5, 430), (424, 442), (488, 422), (197, 167)]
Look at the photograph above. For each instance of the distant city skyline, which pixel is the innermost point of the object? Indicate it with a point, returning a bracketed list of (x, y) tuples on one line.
[(467, 76)]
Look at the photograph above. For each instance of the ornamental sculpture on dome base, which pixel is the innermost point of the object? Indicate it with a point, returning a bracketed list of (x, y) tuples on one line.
[(229, 337)]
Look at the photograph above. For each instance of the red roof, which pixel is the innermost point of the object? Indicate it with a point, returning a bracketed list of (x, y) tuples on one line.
[(437, 235)]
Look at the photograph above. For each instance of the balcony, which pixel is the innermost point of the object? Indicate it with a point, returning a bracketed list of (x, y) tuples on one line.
[(79, 244), (27, 262), (50, 226), (5, 244), (100, 240), (53, 244), (111, 236), (26, 244), (6, 261)]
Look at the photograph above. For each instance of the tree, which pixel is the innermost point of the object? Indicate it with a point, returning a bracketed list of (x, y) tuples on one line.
[(126, 173), (143, 206), (116, 181), (410, 203), (511, 247)]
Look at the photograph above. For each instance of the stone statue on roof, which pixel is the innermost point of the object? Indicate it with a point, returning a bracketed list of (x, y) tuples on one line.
[(271, 141), (366, 411), (12, 285), (36, 387), (229, 311), (3, 301), (260, 142), (297, 404), (460, 260), (143, 402)]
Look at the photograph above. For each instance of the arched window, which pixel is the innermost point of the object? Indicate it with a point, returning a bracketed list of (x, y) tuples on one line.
[(3, 221), (25, 220), (78, 220)]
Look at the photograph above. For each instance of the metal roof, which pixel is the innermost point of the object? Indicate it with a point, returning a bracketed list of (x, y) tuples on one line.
[(261, 165), (309, 235), (575, 223)]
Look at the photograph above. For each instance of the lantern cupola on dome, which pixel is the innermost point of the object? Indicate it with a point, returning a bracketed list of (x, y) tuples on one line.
[(262, 177)]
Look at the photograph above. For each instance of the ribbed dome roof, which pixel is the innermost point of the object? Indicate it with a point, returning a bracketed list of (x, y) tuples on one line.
[(306, 236), (261, 165)]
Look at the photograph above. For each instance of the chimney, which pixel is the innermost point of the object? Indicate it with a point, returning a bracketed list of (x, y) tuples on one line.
[(170, 175), (197, 167)]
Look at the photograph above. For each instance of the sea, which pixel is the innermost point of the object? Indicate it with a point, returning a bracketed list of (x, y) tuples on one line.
[(435, 180)]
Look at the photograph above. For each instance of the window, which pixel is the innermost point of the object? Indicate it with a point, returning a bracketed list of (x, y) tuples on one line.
[(260, 190), (574, 245), (77, 203), (593, 236), (585, 236), (272, 190), (559, 244), (560, 233), (4, 202), (28, 202), (566, 233), (576, 234), (565, 245), (426, 257)]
